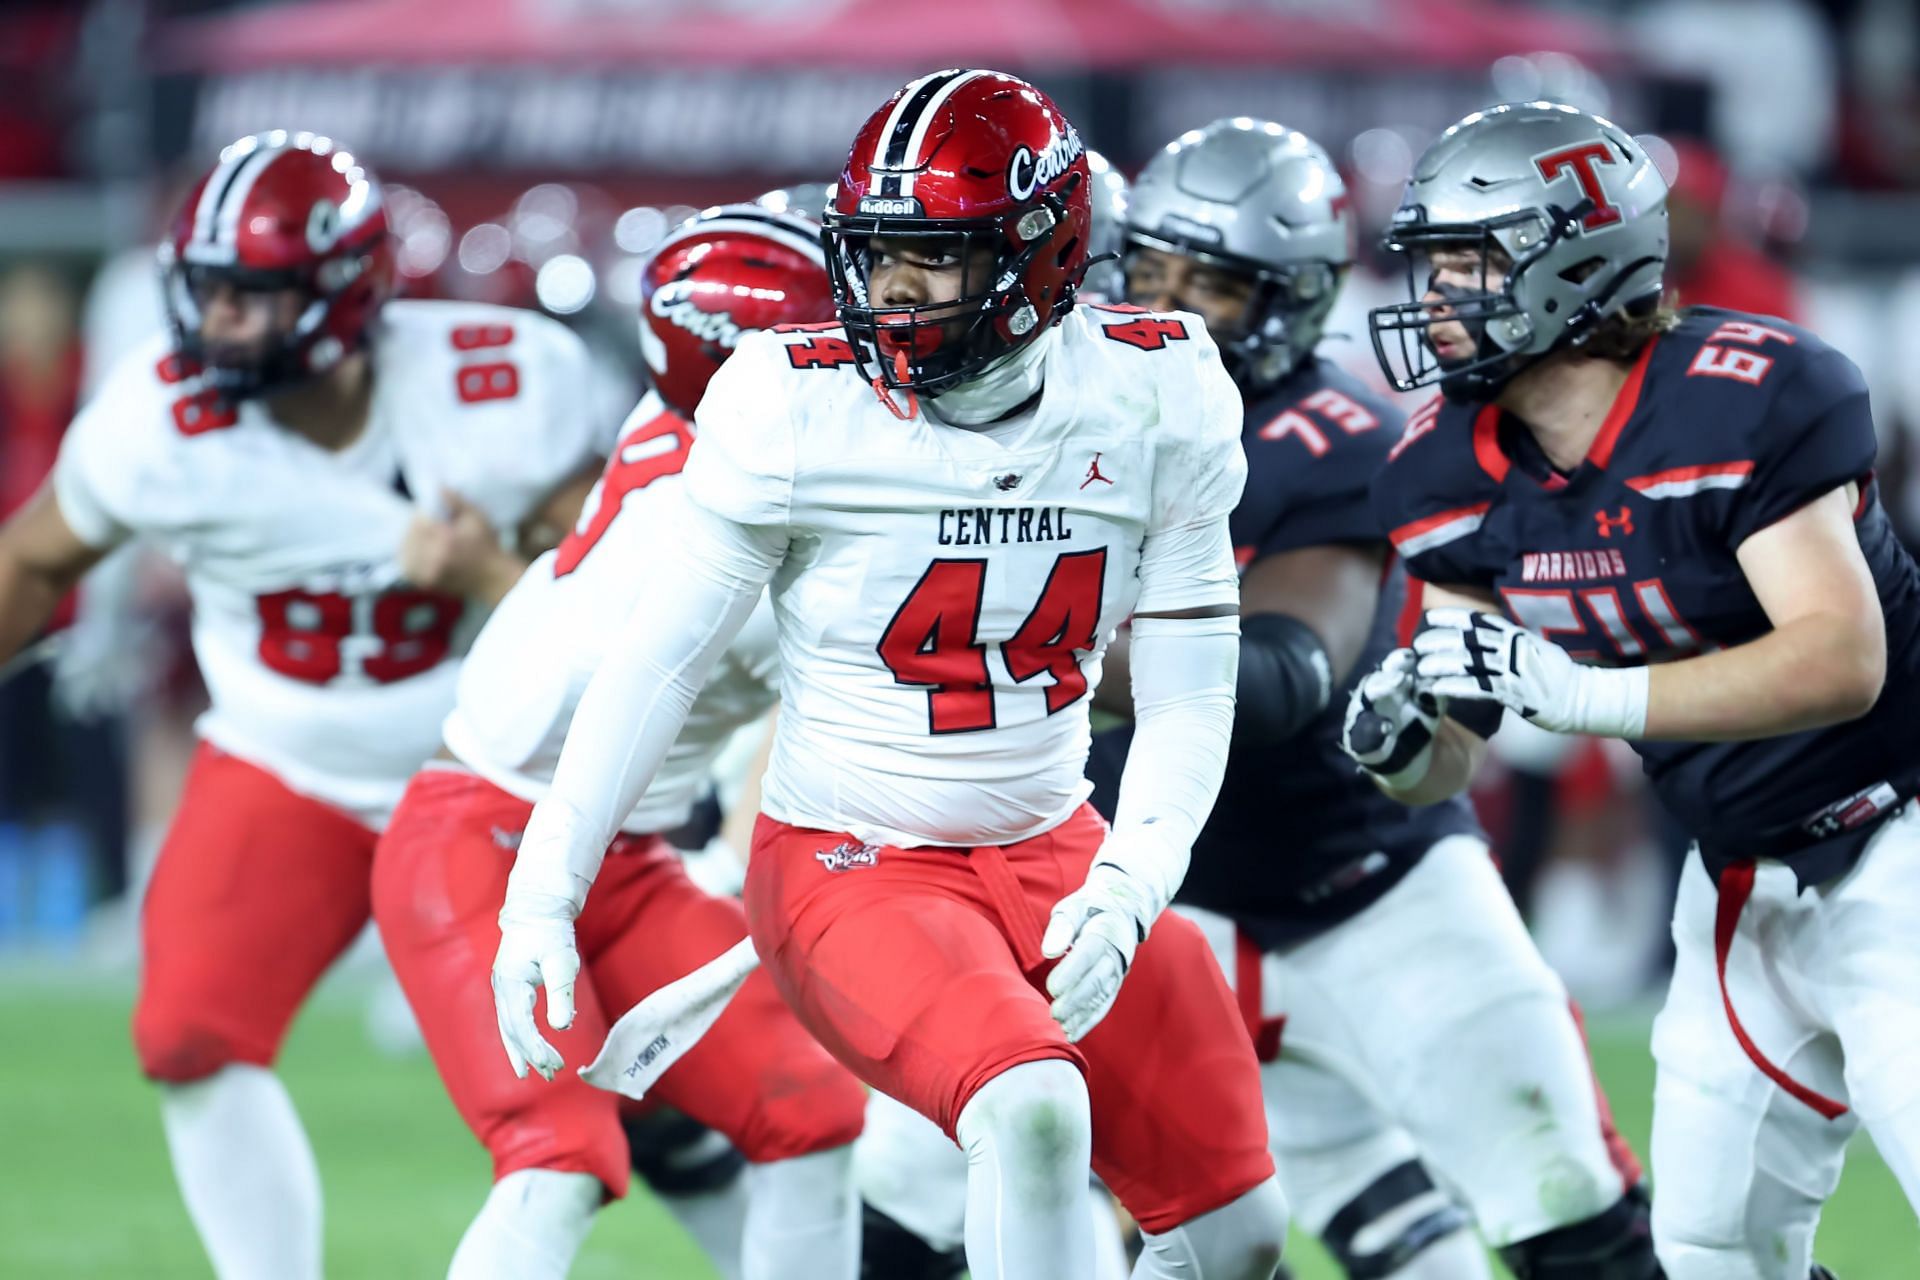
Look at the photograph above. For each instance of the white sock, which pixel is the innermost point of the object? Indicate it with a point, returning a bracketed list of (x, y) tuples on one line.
[(246, 1173), (803, 1219), (1028, 1135), (532, 1224), (1241, 1240), (1109, 1245), (716, 1220)]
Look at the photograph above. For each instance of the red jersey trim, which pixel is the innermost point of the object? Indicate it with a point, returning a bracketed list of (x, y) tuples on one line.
[(1623, 406), (1486, 443), (1684, 482)]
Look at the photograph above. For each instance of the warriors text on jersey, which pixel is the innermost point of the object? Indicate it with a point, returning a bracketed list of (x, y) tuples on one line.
[(323, 666), (1726, 425), (529, 665), (1299, 840), (945, 594)]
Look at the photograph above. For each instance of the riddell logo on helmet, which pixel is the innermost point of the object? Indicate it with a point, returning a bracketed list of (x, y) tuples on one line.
[(676, 307), (1027, 173), (892, 206)]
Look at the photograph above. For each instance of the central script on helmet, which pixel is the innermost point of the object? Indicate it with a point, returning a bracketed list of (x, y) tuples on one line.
[(1027, 173), (676, 306)]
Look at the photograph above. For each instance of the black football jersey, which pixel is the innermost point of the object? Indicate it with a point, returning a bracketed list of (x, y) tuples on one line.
[(1299, 839), (1726, 424)]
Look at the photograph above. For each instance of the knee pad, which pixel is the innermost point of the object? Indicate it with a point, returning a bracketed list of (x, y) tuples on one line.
[(888, 1251), (1614, 1245), (1402, 1204), (676, 1155), (1040, 1114)]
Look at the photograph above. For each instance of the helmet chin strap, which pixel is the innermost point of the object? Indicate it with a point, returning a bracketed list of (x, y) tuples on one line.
[(1003, 387)]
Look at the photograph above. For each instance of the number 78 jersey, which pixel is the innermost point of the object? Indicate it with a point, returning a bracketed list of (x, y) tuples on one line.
[(947, 593)]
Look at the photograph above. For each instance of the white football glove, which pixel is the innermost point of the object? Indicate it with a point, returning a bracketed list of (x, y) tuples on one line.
[(536, 950), (1467, 655), (1390, 723), (1097, 928)]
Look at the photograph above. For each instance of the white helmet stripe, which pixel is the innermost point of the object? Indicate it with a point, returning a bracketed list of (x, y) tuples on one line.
[(920, 126), (211, 195), (900, 107), (226, 227)]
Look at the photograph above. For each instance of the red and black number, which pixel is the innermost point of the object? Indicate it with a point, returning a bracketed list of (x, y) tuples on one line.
[(654, 449)]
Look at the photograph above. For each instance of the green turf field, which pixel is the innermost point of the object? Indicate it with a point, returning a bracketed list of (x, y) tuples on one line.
[(85, 1189)]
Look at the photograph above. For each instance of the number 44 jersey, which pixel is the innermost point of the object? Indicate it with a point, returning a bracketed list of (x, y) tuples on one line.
[(946, 594), (1726, 424), (323, 666)]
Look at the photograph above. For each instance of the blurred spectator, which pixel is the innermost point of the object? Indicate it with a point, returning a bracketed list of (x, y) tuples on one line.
[(62, 794), (1709, 262)]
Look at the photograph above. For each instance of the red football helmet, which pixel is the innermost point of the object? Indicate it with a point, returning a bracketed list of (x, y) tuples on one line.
[(729, 271), (988, 159), (280, 211)]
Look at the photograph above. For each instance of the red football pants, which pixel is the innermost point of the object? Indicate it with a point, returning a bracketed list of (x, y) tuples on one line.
[(920, 968), (438, 882), (257, 890)]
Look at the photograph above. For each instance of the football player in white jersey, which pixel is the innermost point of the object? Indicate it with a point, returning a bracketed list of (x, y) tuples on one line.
[(441, 872), (275, 444), (956, 497)]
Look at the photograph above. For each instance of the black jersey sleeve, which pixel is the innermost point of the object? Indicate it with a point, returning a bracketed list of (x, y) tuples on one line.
[(1815, 435), (1311, 455), (1432, 497)]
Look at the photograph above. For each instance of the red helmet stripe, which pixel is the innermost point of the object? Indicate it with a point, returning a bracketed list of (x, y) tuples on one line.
[(928, 114)]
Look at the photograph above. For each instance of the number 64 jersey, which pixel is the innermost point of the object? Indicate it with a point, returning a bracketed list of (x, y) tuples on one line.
[(323, 666), (946, 593), (1727, 424)]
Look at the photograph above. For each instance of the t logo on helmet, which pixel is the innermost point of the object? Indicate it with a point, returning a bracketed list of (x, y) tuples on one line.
[(1580, 160)]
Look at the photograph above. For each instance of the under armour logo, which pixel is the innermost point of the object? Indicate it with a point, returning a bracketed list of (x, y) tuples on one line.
[(1007, 482), (1607, 524), (1093, 473), (848, 855)]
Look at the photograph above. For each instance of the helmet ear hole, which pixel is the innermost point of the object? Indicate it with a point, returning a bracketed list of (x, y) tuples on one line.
[(1067, 251)]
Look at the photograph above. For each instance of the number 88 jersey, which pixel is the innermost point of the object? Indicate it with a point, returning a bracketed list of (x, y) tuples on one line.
[(947, 593), (322, 665)]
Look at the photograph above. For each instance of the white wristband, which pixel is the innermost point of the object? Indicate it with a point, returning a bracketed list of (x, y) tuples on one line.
[(1611, 702)]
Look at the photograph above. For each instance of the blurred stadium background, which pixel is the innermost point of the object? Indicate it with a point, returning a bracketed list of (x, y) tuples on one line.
[(541, 147)]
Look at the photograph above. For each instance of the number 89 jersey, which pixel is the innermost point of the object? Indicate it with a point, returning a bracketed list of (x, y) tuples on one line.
[(947, 593), (1726, 424), (323, 666)]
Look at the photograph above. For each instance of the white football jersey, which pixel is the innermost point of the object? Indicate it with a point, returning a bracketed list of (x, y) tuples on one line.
[(524, 676), (323, 666), (947, 594)]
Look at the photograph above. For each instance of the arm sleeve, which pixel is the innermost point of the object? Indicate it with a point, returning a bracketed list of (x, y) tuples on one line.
[(1183, 678), (693, 603), (1817, 434), (96, 478)]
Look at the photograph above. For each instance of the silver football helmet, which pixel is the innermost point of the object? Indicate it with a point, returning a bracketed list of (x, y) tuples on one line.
[(1567, 205), (1103, 281), (1261, 200), (808, 199)]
